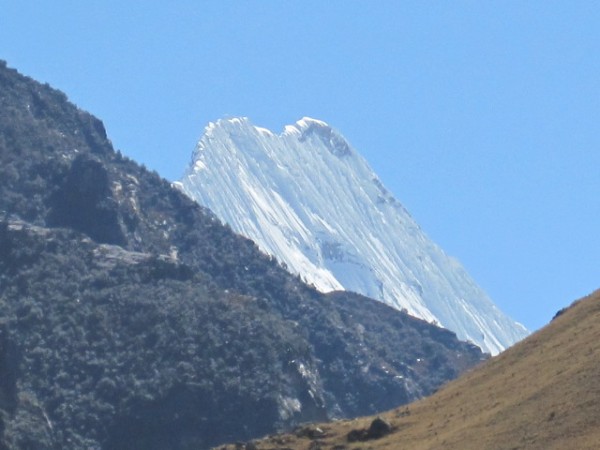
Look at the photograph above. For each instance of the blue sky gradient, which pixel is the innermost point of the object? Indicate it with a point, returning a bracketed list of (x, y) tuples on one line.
[(481, 117)]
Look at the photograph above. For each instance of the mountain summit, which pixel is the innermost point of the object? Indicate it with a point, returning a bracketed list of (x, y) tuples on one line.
[(308, 198)]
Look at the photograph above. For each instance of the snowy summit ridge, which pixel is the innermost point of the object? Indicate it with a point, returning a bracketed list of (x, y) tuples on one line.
[(308, 198)]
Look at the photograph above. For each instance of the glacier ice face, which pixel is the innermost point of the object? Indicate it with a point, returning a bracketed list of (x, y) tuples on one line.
[(308, 198)]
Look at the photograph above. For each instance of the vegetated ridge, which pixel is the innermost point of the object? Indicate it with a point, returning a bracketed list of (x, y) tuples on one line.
[(308, 198), (542, 393), (132, 318)]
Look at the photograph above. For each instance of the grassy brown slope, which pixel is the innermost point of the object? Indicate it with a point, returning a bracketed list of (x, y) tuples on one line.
[(543, 393)]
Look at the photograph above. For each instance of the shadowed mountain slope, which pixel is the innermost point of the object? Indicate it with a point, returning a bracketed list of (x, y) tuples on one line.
[(543, 393), (130, 317)]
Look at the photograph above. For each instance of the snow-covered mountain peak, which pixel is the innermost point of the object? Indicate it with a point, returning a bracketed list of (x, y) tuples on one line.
[(305, 129), (306, 197), (308, 128), (306, 122), (304, 125)]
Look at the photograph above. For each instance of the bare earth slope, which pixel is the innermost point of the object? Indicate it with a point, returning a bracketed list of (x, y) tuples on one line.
[(543, 393)]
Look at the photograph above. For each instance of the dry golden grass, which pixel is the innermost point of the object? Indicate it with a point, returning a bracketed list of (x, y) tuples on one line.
[(543, 393)]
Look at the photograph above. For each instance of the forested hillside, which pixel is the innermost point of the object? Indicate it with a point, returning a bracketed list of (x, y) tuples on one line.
[(132, 318)]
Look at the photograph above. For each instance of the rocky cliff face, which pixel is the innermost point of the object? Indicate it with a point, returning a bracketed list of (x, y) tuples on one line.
[(131, 318)]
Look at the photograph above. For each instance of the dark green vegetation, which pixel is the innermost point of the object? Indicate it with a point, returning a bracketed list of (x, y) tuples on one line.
[(131, 318)]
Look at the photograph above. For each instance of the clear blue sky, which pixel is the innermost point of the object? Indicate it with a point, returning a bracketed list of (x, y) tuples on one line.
[(482, 117)]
